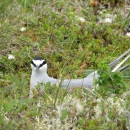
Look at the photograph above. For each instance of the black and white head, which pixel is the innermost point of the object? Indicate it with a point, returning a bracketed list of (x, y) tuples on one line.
[(38, 64)]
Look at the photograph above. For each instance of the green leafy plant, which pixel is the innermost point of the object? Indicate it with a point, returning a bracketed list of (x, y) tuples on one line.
[(110, 82)]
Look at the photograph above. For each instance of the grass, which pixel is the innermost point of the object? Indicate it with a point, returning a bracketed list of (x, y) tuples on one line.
[(54, 31)]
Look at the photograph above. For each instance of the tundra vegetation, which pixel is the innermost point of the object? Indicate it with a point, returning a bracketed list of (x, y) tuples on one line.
[(74, 36)]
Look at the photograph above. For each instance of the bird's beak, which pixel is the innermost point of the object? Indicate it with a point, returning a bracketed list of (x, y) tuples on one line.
[(37, 67)]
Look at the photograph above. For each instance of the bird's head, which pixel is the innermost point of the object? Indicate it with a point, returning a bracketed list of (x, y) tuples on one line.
[(39, 64)]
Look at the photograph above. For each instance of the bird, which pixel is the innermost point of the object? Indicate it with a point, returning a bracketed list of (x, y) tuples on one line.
[(39, 74)]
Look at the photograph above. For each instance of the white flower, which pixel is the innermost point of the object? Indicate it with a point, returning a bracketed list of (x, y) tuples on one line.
[(80, 18), (10, 57), (107, 20), (22, 29), (128, 34)]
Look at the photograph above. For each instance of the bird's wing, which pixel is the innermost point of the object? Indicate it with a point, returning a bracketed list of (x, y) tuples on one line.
[(86, 82)]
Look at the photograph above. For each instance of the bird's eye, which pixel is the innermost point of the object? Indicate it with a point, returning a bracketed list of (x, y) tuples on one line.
[(33, 63), (43, 63)]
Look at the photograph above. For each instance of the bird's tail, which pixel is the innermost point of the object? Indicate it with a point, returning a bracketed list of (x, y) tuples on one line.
[(118, 66)]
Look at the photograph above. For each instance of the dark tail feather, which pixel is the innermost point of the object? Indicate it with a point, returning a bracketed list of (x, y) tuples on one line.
[(124, 68), (113, 63), (121, 63)]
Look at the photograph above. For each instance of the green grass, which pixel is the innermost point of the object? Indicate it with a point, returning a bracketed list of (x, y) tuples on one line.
[(54, 32)]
